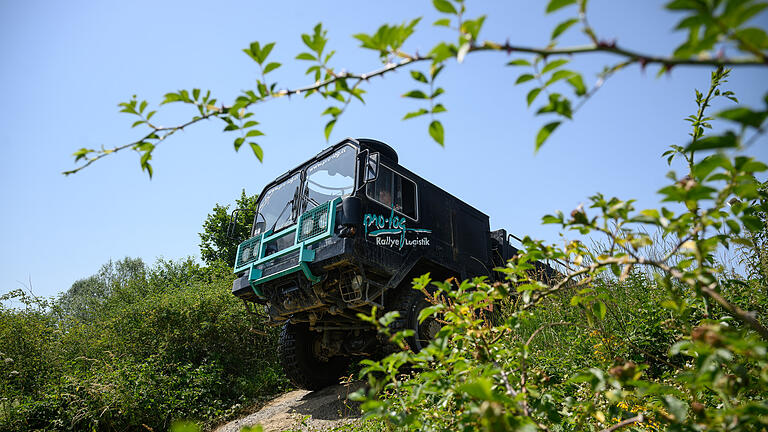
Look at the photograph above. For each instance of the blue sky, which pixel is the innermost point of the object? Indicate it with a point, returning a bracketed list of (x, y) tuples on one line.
[(66, 65)]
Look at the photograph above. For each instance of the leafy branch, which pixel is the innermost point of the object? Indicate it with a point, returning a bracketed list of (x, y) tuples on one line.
[(709, 27)]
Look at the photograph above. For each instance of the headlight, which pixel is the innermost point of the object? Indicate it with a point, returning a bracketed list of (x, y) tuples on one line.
[(322, 223), (306, 227)]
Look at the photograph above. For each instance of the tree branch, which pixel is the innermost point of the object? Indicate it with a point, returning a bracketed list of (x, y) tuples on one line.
[(600, 47), (612, 48), (637, 419)]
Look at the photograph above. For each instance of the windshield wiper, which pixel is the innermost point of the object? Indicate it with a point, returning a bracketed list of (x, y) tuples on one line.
[(309, 198), (289, 203)]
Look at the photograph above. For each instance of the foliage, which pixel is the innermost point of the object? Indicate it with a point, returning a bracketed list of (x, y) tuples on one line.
[(84, 298), (712, 27), (215, 241), (157, 344), (676, 352)]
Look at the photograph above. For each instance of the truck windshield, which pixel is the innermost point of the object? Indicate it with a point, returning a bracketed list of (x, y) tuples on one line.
[(277, 206), (331, 177)]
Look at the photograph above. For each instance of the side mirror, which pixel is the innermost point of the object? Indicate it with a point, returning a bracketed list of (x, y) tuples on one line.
[(371, 167), (232, 225), (352, 211)]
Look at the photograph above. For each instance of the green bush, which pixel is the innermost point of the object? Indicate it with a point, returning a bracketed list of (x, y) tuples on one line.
[(164, 343)]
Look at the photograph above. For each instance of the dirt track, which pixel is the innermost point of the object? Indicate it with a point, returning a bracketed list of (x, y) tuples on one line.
[(303, 410)]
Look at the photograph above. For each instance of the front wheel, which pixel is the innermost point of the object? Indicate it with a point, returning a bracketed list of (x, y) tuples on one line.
[(410, 303), (297, 353)]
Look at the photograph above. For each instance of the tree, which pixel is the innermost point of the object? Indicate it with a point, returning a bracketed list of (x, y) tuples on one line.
[(84, 297), (215, 244)]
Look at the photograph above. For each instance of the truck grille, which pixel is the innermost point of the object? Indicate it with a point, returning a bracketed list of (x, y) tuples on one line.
[(317, 218), (280, 263)]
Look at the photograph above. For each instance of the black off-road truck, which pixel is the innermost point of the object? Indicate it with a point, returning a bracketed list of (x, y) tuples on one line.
[(347, 230)]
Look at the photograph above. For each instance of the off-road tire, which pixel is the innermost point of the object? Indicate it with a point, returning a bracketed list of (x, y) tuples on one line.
[(410, 302), (301, 366)]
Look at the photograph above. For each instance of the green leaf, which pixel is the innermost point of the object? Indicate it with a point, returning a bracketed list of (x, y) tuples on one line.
[(557, 4), (145, 165), (270, 67), (727, 140), (554, 65), (744, 116), (734, 226), (429, 311), (524, 78), (415, 114), (519, 62), (443, 51), (266, 50), (479, 389), (254, 133), (329, 128), (444, 6), (332, 110), (752, 223), (599, 309), (238, 143), (532, 95), (438, 109), (257, 151), (171, 97), (444, 22), (305, 56), (434, 70), (557, 76), (578, 84), (753, 36), (472, 27), (436, 132), (416, 94), (544, 133), (705, 166), (562, 27), (677, 408), (419, 76), (557, 104), (753, 166)]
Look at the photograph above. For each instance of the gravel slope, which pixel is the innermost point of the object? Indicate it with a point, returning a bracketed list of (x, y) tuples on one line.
[(303, 410)]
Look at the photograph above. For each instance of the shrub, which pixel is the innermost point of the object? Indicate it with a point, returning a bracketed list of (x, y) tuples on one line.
[(170, 342)]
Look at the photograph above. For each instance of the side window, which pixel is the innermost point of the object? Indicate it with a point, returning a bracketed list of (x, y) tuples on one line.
[(406, 192), (390, 188), (381, 189)]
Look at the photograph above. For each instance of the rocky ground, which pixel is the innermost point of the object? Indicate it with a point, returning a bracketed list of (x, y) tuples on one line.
[(303, 410)]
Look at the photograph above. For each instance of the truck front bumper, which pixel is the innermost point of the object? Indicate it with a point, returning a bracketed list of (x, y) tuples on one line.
[(308, 241)]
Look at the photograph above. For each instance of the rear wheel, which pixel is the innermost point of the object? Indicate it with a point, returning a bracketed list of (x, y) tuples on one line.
[(297, 351)]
